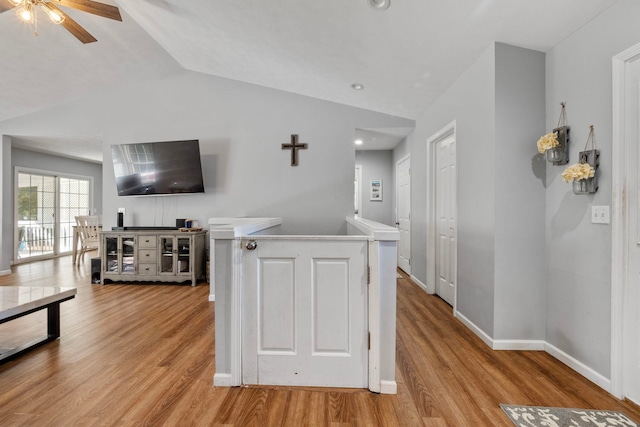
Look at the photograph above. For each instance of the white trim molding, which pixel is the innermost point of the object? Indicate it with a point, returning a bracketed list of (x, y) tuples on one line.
[(443, 133), (578, 366), (619, 218)]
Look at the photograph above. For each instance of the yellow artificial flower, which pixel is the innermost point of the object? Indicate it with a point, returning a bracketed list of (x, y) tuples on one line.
[(547, 141), (578, 171)]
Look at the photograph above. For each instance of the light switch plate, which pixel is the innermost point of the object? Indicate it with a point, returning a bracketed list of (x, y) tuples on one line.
[(600, 215)]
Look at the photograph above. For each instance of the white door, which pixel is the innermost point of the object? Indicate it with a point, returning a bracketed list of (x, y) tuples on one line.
[(403, 206), (304, 319), (446, 219), (631, 344)]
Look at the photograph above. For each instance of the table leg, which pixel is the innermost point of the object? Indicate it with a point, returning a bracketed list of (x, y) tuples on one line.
[(76, 238), (53, 321)]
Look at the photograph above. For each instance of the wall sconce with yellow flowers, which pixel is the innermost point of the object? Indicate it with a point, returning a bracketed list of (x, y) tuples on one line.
[(583, 174), (555, 145)]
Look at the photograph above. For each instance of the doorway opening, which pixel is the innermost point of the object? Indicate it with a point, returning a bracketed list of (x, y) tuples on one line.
[(45, 208)]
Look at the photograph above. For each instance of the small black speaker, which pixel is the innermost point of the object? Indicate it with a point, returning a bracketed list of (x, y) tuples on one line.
[(96, 266), (120, 219), (180, 222)]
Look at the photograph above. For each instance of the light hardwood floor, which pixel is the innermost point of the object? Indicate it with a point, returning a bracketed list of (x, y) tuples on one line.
[(134, 355)]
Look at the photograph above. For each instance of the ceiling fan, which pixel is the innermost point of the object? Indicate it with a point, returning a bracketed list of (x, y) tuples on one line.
[(26, 10)]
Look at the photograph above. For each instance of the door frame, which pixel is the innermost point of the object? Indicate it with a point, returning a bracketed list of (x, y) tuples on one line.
[(397, 189), (14, 209), (619, 221), (446, 132)]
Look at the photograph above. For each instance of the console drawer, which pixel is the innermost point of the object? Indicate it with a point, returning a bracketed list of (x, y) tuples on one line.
[(148, 256), (145, 269), (147, 242)]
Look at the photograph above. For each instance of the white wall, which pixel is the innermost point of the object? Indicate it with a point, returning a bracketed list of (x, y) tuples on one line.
[(578, 252), (377, 164), (241, 128)]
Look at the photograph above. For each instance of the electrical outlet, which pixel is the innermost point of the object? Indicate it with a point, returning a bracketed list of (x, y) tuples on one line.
[(600, 215), (121, 210)]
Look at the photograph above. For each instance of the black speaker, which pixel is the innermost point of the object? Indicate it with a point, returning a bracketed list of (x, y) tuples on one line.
[(96, 266), (180, 222), (120, 219)]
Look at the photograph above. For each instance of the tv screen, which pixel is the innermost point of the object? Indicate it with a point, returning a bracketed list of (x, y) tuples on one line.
[(156, 168)]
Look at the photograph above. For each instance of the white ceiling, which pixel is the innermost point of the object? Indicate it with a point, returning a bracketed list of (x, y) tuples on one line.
[(405, 56)]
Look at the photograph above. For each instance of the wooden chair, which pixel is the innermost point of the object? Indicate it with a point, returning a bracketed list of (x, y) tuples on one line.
[(88, 228)]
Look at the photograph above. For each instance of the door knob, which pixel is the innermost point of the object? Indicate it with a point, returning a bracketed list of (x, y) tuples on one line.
[(251, 245)]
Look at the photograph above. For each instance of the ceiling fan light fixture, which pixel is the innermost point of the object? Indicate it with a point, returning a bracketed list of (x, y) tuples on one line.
[(55, 16), (25, 12), (380, 4)]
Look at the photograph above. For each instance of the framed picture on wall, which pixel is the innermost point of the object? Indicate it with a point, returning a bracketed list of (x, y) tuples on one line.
[(376, 190)]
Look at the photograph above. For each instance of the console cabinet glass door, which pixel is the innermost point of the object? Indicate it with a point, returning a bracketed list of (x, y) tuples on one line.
[(120, 255), (175, 255)]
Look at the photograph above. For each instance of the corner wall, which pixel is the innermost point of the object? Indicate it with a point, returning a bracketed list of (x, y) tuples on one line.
[(471, 102), (579, 252), (377, 164)]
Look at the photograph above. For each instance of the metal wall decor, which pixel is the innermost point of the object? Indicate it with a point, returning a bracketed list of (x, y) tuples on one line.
[(559, 155), (589, 156), (583, 174)]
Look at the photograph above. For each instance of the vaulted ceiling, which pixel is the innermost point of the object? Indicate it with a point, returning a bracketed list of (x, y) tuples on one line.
[(405, 56)]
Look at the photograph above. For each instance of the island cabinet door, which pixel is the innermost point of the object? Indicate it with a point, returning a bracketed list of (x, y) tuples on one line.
[(305, 313)]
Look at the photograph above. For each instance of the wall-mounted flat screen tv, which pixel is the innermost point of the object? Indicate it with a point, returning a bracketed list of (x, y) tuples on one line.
[(158, 168)]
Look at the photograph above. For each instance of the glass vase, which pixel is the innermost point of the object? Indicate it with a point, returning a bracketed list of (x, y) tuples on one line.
[(585, 186)]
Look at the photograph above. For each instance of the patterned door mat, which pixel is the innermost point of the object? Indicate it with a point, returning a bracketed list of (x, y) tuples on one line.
[(542, 416)]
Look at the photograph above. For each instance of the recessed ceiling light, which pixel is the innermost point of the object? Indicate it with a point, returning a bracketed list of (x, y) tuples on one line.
[(357, 86), (358, 142), (379, 4)]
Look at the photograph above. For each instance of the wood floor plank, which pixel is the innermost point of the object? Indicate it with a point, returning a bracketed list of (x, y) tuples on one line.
[(133, 355)]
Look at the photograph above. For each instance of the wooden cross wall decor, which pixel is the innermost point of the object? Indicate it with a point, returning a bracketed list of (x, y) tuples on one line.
[(294, 147)]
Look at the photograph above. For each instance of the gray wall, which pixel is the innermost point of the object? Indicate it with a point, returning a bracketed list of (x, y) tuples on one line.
[(578, 252), (520, 283), (498, 106), (241, 128), (471, 102), (377, 164), (6, 210)]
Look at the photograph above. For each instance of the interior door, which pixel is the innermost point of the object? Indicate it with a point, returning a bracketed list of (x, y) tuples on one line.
[(446, 249), (631, 338), (403, 191), (304, 319)]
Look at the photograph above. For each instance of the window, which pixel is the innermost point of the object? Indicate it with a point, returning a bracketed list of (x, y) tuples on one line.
[(45, 210)]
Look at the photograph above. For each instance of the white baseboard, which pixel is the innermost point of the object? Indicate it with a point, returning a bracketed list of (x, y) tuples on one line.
[(526, 345), (539, 345), (476, 330), (212, 297), (222, 380), (5, 272), (579, 367), (419, 283), (388, 387)]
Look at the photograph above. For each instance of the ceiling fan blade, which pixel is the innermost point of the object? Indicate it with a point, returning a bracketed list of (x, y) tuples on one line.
[(6, 5), (73, 27), (93, 7)]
